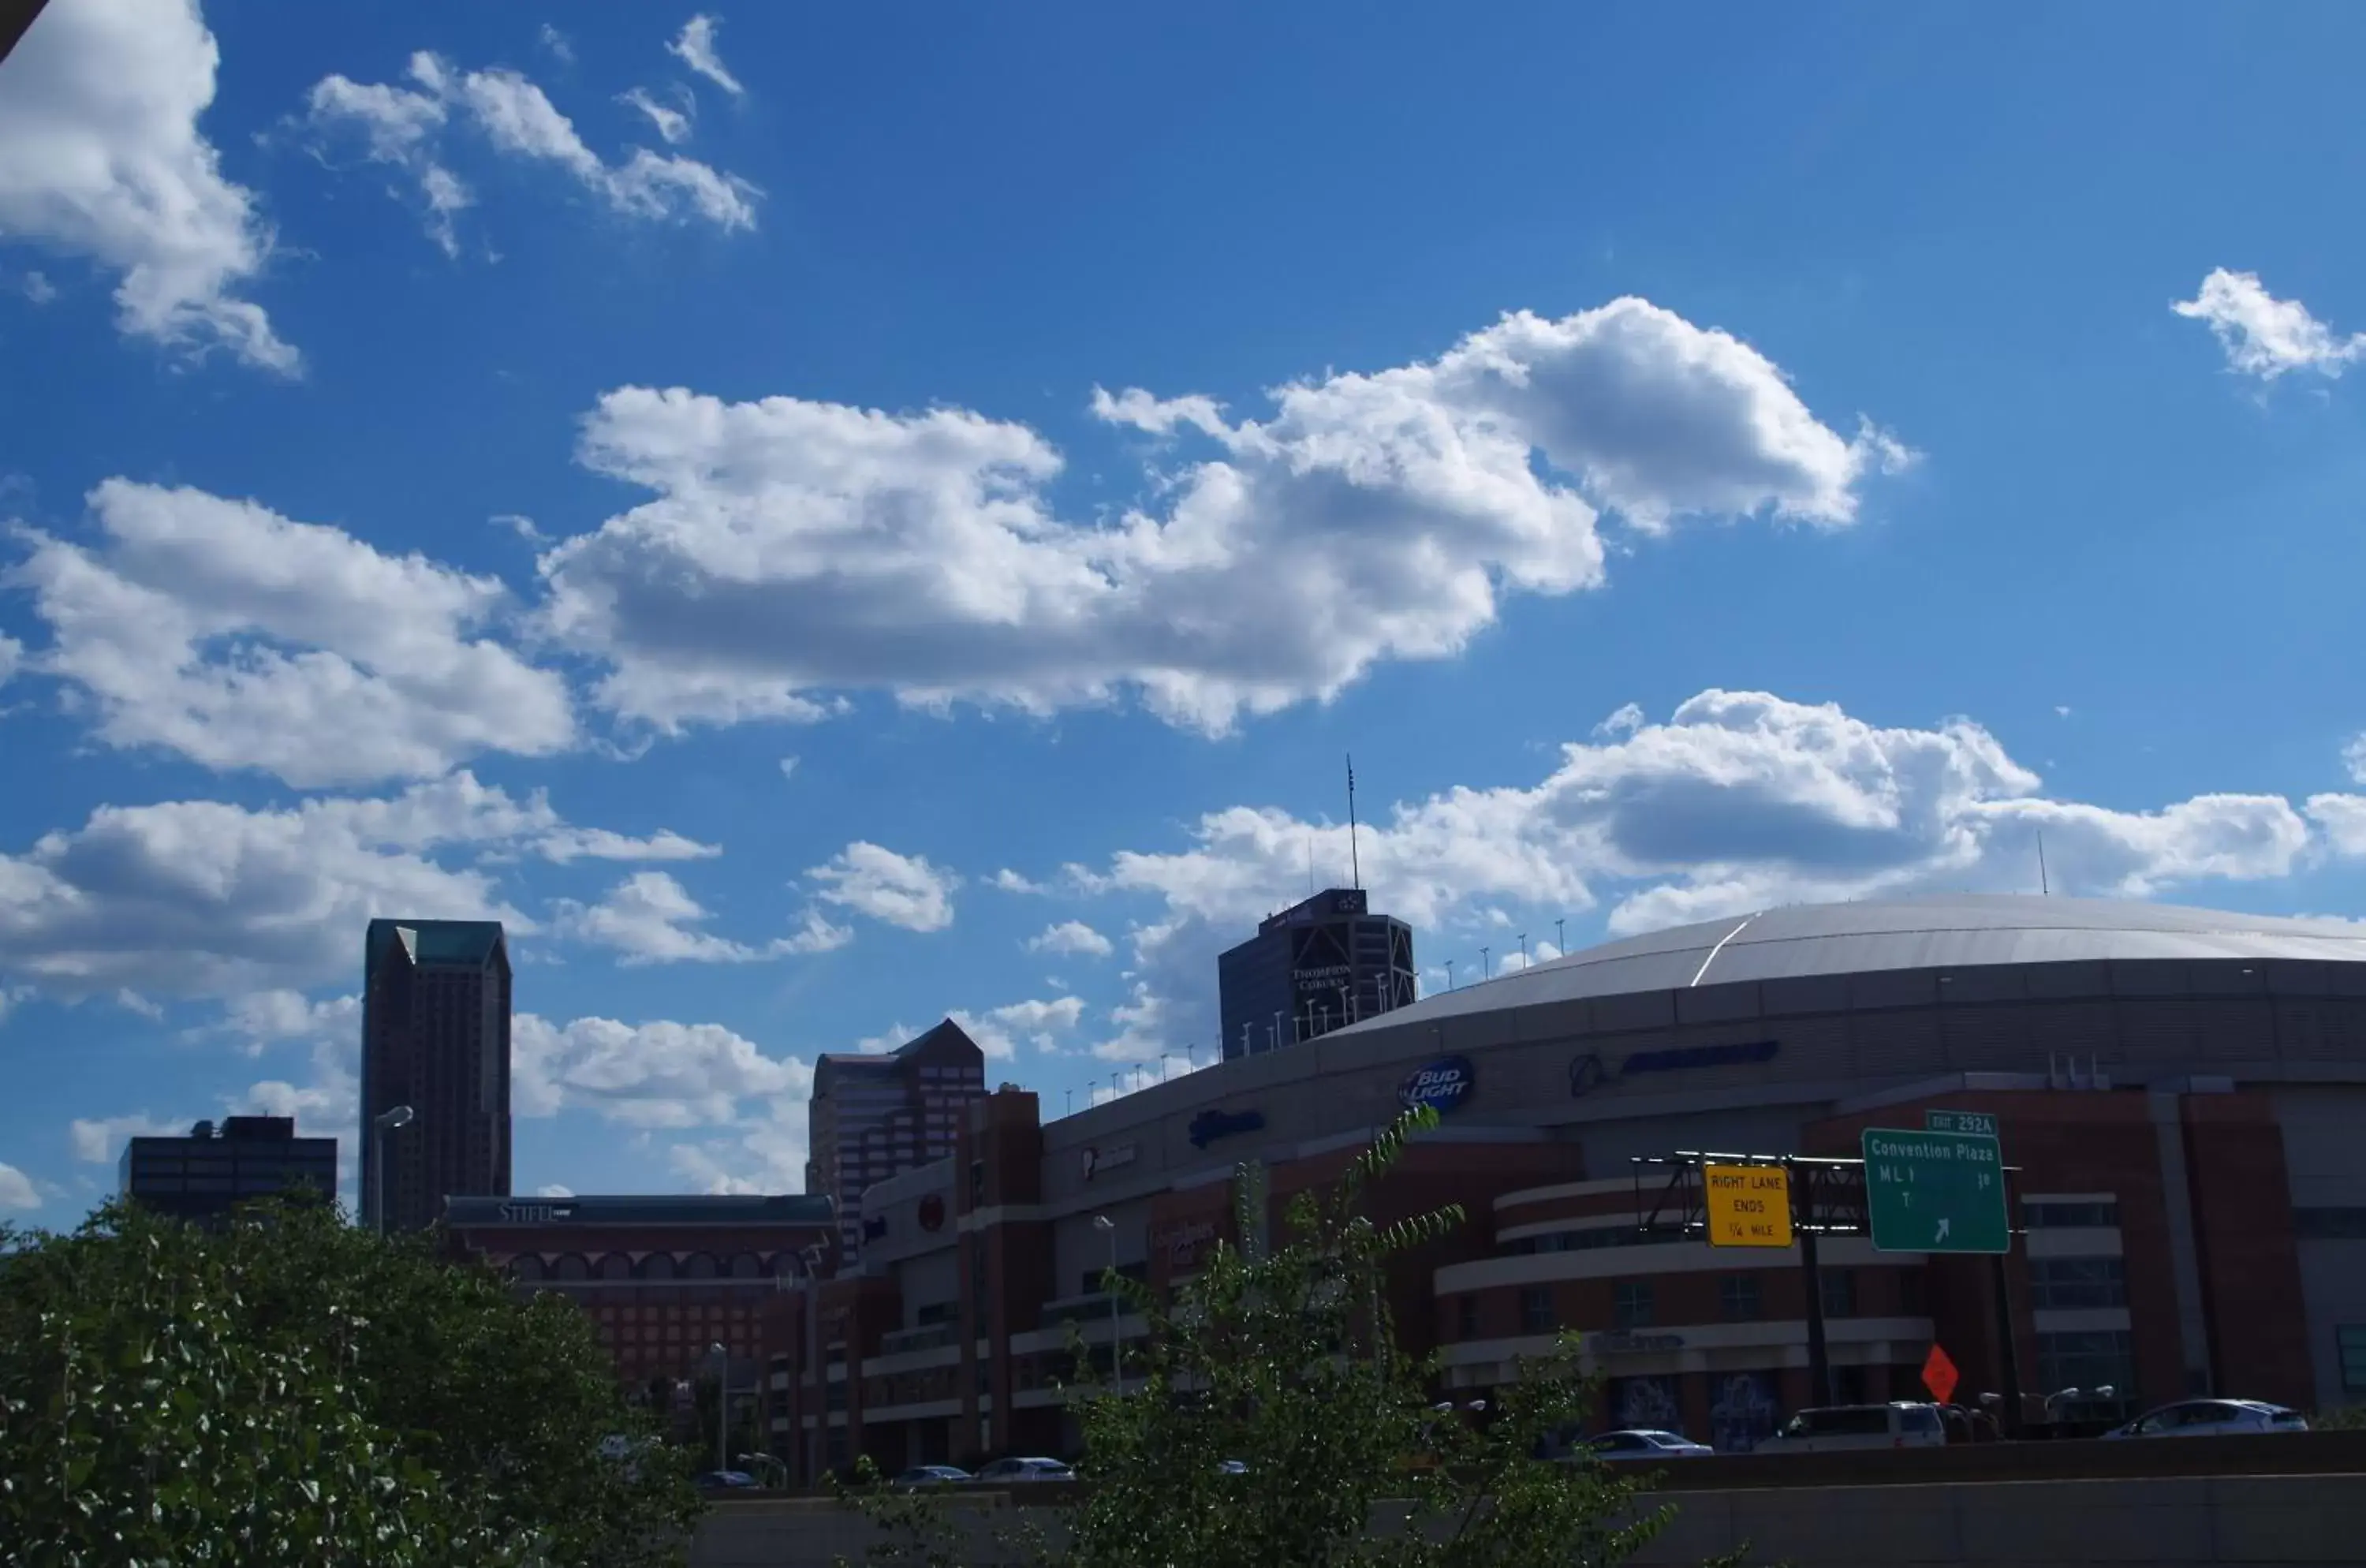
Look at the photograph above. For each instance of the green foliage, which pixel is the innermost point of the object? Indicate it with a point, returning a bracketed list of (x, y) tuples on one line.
[(2341, 1418), (290, 1391), (1284, 1359)]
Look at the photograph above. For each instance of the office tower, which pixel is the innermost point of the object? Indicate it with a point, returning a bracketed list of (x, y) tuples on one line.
[(201, 1175), (873, 1116), (435, 1037), (1317, 966)]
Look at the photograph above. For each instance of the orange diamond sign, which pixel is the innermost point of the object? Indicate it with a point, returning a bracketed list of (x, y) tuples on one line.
[(1939, 1375)]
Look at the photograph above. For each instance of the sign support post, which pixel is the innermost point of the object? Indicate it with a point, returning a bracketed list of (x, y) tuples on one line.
[(1820, 1364), (2008, 1358)]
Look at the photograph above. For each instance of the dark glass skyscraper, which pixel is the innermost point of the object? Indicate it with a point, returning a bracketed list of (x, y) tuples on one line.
[(435, 1037), (1315, 967)]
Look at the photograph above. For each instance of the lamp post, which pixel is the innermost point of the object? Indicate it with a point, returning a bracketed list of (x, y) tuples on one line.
[(722, 1404), (386, 1121), (1108, 1227), (1560, 937)]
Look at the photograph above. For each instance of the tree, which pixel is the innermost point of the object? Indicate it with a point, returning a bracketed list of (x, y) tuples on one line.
[(289, 1390), (1276, 1420)]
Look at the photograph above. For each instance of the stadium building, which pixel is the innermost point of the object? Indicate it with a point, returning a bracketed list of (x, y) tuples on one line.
[(2178, 1092)]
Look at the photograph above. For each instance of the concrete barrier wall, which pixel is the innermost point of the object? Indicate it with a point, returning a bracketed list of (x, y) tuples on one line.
[(2248, 1521)]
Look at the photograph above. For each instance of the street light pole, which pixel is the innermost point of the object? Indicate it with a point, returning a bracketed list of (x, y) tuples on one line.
[(386, 1121), (1108, 1227), (721, 1406)]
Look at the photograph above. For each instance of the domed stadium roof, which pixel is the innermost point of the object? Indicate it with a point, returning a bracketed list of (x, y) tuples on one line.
[(1960, 931)]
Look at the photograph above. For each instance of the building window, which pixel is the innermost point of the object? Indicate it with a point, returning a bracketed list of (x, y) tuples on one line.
[(1632, 1305), (1838, 1289), (2070, 1284), (2052, 1214), (977, 1184), (2085, 1360), (1738, 1299), (1465, 1316), (1912, 1300), (1537, 1309), (2349, 1342)]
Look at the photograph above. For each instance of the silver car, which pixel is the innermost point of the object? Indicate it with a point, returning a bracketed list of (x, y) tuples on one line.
[(2212, 1419), (1646, 1445)]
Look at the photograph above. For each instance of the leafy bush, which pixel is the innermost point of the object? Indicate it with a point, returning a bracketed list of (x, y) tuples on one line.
[(288, 1390)]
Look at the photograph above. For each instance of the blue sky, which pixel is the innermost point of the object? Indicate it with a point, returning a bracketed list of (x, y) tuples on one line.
[(824, 520)]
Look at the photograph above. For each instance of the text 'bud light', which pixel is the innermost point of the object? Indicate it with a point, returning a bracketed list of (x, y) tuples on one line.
[(1442, 1085)]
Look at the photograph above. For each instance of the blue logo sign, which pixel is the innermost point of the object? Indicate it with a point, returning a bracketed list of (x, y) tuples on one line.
[(1587, 1074), (1209, 1125), (1443, 1085)]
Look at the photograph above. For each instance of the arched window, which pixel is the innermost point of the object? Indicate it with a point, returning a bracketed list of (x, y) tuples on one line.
[(699, 1265), (525, 1266), (615, 1266), (658, 1265), (746, 1266), (569, 1266)]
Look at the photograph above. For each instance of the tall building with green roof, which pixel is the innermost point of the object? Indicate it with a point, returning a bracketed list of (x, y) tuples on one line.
[(435, 1037)]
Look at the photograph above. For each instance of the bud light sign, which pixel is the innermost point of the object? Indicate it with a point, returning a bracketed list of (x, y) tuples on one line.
[(1442, 1085)]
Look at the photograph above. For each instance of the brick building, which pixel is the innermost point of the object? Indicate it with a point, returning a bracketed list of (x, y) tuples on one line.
[(663, 1279), (2178, 1092), (871, 1116)]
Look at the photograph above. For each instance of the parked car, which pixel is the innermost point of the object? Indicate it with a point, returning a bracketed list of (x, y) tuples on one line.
[(727, 1481), (1839, 1427), (1004, 1470), (1645, 1445), (2212, 1418), (932, 1475)]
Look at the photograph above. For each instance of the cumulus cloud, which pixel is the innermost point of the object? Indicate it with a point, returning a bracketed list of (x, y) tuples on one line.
[(202, 898), (695, 48), (238, 638), (659, 1074), (999, 1031), (1736, 802), (404, 126), (650, 918), (16, 1190), (1070, 937), (897, 890), (794, 545), (101, 157), (2265, 337)]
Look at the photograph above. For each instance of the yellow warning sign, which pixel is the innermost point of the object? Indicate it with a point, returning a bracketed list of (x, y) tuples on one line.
[(1749, 1205)]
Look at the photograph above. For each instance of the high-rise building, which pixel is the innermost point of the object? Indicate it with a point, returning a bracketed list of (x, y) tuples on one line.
[(1317, 966), (435, 1037), (873, 1116), (200, 1177)]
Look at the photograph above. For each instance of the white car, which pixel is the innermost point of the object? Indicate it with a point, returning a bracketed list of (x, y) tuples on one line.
[(1644, 1445), (1026, 1470), (2212, 1418), (1840, 1428)]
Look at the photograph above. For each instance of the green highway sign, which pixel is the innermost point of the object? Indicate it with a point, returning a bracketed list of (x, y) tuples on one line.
[(1935, 1191), (1959, 1121)]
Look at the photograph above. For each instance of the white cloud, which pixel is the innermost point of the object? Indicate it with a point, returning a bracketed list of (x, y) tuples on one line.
[(100, 157), (208, 898), (659, 1074), (2265, 337), (695, 48), (12, 658), (99, 1140), (2342, 819), (650, 918), (566, 844), (1738, 801), (898, 890), (16, 1190), (133, 1002), (788, 767), (554, 1190), (405, 128), (816, 934), (556, 43), (37, 288), (999, 1031), (1070, 937), (1010, 881), (224, 632), (2353, 759), (794, 547), (673, 124)]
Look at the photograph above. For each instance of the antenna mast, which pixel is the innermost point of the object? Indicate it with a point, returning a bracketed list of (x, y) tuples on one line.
[(1354, 860), (2044, 887)]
